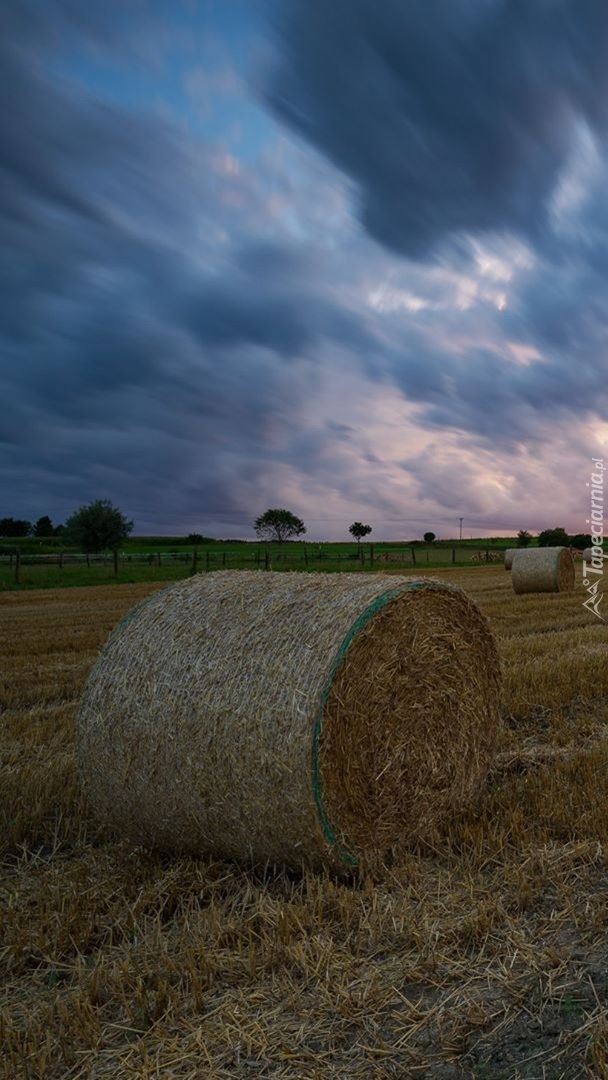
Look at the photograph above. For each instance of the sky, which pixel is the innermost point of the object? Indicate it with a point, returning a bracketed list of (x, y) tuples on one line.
[(347, 258)]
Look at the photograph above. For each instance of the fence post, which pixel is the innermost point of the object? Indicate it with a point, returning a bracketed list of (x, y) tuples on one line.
[(453, 555), (266, 558), (413, 551), (11, 560), (206, 560), (371, 554), (487, 554), (305, 555), (194, 559), (61, 560), (115, 562), (88, 559), (17, 565)]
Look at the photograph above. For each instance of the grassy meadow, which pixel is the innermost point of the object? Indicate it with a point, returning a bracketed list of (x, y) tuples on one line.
[(482, 954), (152, 559)]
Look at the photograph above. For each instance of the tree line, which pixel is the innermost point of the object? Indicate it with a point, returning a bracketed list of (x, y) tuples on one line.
[(18, 527), (557, 537), (279, 525), (101, 526)]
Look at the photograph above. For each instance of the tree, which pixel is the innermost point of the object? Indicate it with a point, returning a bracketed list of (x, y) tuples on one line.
[(359, 530), (523, 538), (44, 526), (195, 538), (278, 525), (14, 527), (429, 537), (553, 538), (581, 541), (98, 526)]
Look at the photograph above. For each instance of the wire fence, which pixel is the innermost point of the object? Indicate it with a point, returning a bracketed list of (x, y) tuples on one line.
[(20, 566)]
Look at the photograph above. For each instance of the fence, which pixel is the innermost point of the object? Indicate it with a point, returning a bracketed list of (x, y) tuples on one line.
[(261, 556)]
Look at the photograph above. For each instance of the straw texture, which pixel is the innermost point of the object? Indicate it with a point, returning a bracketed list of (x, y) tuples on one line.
[(548, 569), (509, 553), (297, 718)]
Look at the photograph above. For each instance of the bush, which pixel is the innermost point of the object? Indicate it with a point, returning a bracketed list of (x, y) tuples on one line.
[(100, 526), (557, 537)]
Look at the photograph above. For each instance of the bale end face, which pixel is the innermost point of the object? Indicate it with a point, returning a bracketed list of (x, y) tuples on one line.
[(411, 720)]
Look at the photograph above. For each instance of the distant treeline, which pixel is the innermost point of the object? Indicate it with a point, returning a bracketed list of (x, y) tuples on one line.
[(56, 536)]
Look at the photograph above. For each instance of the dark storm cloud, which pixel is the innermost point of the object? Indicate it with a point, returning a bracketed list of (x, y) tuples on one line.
[(268, 297), (134, 348), (163, 341), (556, 313), (450, 117), (229, 314)]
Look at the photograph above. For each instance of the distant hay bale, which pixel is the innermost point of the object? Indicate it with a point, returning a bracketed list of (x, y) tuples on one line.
[(295, 718), (509, 553), (545, 569), (593, 553)]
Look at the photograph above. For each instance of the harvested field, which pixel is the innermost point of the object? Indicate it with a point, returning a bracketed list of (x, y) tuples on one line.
[(482, 954)]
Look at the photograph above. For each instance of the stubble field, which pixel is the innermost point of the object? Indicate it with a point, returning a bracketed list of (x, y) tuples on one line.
[(483, 954)]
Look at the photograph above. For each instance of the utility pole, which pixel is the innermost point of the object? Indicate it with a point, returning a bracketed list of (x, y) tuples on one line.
[(460, 520)]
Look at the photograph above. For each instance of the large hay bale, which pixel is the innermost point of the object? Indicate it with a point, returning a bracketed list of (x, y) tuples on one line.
[(316, 718), (546, 569), (509, 553)]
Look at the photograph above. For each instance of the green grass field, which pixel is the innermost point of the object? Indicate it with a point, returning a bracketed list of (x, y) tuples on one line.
[(167, 558), (151, 544)]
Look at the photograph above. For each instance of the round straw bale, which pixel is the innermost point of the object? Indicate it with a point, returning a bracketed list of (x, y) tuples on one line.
[(293, 717), (595, 552), (509, 553), (545, 569)]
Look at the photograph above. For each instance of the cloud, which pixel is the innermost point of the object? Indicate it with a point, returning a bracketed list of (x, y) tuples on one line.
[(197, 327), (459, 122), (145, 321)]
